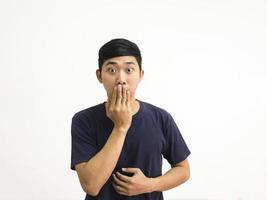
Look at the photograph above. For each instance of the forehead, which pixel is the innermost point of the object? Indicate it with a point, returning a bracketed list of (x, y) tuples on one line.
[(121, 60)]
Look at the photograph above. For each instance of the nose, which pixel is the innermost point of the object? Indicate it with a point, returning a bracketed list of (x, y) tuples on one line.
[(121, 79)]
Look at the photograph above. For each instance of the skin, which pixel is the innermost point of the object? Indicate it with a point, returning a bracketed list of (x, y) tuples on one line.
[(120, 77)]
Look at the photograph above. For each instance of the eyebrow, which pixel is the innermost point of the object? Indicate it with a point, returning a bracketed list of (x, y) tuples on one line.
[(110, 62), (114, 63), (130, 63)]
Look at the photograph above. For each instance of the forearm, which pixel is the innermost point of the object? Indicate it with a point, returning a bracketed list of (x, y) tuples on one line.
[(99, 168), (172, 178)]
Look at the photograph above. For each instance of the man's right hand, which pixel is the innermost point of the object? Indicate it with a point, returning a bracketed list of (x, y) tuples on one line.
[(118, 108), (94, 173)]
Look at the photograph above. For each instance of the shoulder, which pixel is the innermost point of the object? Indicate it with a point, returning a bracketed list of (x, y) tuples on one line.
[(160, 116), (158, 112), (90, 113)]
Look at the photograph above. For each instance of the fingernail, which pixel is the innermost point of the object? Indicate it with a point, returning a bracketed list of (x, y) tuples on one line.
[(123, 169)]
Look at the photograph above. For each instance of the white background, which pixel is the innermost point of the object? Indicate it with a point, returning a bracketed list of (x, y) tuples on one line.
[(204, 61)]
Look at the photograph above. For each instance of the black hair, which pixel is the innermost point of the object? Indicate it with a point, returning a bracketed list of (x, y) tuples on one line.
[(119, 47)]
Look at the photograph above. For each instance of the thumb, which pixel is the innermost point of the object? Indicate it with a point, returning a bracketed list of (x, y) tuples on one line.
[(130, 170)]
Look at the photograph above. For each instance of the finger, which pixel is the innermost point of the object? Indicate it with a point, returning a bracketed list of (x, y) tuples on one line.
[(131, 170), (119, 95), (119, 182), (113, 97), (124, 97), (123, 178), (119, 189), (128, 98)]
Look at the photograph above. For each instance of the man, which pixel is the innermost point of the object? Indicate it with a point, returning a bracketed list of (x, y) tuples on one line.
[(117, 146)]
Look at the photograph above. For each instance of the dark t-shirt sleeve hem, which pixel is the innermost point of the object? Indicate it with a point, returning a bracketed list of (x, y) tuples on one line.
[(180, 159), (77, 162)]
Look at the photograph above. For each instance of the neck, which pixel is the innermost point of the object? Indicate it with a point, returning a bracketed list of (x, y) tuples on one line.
[(135, 106)]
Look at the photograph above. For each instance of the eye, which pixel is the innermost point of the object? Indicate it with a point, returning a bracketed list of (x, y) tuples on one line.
[(129, 70), (111, 70)]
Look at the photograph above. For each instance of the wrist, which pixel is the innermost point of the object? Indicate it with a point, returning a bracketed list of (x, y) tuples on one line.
[(152, 186), (120, 129)]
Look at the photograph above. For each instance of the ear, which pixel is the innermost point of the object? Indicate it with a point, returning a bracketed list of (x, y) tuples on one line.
[(141, 75), (98, 75)]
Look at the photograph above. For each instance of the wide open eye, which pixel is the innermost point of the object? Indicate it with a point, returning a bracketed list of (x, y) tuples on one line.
[(111, 70), (129, 70)]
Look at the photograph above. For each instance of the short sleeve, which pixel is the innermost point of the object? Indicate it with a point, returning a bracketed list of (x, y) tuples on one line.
[(83, 141), (175, 148)]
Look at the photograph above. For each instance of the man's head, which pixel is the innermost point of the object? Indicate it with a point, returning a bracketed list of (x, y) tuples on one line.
[(119, 63), (116, 48)]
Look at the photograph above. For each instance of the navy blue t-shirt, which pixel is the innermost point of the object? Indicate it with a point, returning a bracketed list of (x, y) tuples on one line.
[(153, 134)]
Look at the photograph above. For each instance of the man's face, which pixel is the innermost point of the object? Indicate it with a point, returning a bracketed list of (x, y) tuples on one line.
[(122, 70)]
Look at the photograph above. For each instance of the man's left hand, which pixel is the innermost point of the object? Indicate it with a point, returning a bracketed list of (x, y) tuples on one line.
[(134, 185)]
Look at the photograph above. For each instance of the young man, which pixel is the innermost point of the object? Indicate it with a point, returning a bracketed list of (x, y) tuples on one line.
[(117, 145)]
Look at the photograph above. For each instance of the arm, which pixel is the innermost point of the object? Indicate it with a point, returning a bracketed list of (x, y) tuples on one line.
[(177, 175), (94, 173), (139, 183)]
